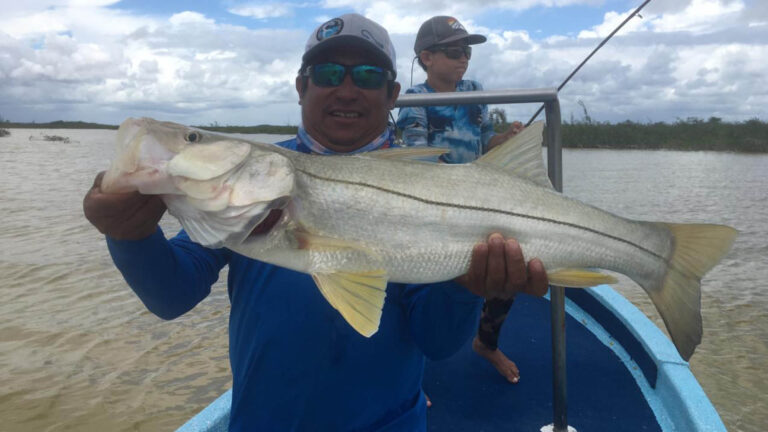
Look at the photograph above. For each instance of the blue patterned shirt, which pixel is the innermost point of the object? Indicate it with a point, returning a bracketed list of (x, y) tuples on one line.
[(465, 129)]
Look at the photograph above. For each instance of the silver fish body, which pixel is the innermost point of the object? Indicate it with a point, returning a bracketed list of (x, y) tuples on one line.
[(422, 220), (356, 222)]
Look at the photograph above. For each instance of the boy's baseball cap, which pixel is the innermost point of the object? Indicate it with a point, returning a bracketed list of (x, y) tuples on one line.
[(351, 30), (441, 30)]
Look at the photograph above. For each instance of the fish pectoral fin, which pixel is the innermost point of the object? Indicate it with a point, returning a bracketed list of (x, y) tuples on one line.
[(408, 153), (359, 297), (313, 241), (579, 278), (521, 155)]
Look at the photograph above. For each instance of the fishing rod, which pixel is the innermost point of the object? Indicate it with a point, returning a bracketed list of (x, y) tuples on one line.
[(632, 15)]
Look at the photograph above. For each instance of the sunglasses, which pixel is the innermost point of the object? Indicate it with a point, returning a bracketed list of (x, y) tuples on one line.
[(333, 74), (454, 52)]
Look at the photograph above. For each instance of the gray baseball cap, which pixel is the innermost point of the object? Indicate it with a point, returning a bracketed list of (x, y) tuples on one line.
[(441, 30), (351, 30)]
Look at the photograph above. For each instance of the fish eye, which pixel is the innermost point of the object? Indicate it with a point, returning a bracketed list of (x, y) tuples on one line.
[(193, 137)]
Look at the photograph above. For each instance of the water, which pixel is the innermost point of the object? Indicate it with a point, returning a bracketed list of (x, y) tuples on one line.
[(79, 352)]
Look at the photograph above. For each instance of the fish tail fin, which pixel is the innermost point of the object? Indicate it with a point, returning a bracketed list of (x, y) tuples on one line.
[(697, 248)]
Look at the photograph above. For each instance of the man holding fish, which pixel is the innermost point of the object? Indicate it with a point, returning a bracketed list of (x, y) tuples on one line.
[(301, 359)]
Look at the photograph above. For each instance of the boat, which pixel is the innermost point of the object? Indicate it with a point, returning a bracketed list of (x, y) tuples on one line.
[(620, 372), (52, 138)]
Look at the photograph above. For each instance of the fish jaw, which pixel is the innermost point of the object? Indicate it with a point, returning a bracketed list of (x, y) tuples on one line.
[(141, 159), (219, 187)]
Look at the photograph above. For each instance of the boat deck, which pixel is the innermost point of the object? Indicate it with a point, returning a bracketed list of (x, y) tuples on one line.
[(468, 394)]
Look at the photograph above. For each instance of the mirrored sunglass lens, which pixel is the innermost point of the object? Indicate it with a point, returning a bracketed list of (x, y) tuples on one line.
[(328, 74), (455, 53), (368, 77)]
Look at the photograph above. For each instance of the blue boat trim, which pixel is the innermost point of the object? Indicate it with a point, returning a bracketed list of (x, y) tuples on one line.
[(617, 328), (214, 418), (679, 397)]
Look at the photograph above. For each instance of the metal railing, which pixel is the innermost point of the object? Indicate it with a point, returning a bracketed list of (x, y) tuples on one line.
[(552, 139)]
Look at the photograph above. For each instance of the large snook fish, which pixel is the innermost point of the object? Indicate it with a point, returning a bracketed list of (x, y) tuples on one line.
[(356, 222)]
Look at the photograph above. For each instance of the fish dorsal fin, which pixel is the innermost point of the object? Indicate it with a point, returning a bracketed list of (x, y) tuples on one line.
[(359, 297), (408, 153), (521, 155), (579, 278)]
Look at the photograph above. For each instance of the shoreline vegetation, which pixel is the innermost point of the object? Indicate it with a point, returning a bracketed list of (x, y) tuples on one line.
[(691, 134)]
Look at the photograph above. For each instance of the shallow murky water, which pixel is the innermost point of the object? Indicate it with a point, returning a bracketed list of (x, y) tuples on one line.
[(79, 352)]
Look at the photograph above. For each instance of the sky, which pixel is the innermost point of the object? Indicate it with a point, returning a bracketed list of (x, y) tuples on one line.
[(234, 62)]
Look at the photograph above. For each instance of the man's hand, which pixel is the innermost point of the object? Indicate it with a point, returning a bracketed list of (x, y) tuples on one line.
[(122, 216), (498, 270)]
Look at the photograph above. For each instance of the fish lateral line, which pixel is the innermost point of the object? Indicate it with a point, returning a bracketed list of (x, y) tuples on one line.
[(484, 209)]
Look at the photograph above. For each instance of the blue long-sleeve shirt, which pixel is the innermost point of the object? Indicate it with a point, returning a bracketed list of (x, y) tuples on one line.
[(296, 363)]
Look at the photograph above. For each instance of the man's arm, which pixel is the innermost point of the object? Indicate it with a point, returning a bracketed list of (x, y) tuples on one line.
[(443, 316), (170, 278)]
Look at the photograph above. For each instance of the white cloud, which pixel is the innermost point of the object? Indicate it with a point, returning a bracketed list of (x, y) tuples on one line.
[(700, 16), (262, 11), (184, 67), (187, 17), (83, 61)]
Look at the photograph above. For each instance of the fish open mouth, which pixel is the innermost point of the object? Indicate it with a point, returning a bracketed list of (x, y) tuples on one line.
[(268, 223)]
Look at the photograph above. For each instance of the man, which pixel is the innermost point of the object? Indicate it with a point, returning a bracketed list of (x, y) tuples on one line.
[(296, 363), (443, 48)]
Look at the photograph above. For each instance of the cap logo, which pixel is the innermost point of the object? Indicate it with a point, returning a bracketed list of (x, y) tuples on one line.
[(455, 24), (330, 28), (366, 34)]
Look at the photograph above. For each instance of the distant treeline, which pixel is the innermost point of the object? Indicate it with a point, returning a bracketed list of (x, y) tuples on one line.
[(689, 134), (59, 124), (260, 129)]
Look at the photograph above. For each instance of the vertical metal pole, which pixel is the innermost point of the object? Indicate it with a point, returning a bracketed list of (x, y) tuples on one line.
[(557, 294)]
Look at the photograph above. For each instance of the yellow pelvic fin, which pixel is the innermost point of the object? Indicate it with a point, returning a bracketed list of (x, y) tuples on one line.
[(579, 278), (359, 297)]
